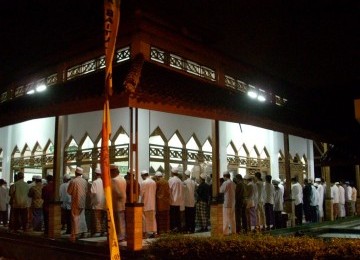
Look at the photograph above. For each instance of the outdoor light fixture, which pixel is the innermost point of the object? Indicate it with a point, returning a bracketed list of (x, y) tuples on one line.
[(30, 92), (41, 88), (252, 92), (255, 93), (261, 96)]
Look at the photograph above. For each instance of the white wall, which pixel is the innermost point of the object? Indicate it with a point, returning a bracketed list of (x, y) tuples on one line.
[(76, 125)]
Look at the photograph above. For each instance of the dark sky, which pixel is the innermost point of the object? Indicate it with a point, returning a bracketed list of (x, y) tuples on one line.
[(308, 47)]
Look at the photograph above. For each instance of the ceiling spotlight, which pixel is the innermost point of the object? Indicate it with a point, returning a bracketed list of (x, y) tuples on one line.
[(41, 88), (261, 98), (30, 92), (252, 94)]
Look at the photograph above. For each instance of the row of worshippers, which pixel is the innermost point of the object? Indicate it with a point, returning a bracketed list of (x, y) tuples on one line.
[(309, 199), (344, 196), (28, 203), (251, 204)]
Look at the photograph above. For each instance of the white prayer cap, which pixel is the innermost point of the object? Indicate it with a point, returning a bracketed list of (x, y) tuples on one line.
[(337, 183), (79, 170), (67, 176), (143, 172), (158, 174), (187, 173), (175, 170), (317, 179), (98, 171), (37, 177), (203, 176)]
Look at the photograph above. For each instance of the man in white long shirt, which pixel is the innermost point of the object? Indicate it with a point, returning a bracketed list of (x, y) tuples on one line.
[(348, 198), (297, 196), (320, 189), (278, 203), (250, 194), (341, 200), (148, 197), (176, 200), (65, 199), (353, 198), (189, 198), (98, 220), (268, 194), (259, 199), (228, 189), (335, 199), (118, 193)]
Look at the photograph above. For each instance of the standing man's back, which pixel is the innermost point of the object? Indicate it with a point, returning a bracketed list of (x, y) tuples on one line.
[(78, 189)]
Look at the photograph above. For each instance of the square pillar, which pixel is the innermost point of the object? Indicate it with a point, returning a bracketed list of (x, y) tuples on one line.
[(55, 220), (289, 208), (134, 229), (216, 219)]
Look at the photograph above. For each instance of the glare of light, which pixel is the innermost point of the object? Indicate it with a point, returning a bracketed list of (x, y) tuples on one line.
[(252, 94), (261, 98), (30, 92), (41, 88)]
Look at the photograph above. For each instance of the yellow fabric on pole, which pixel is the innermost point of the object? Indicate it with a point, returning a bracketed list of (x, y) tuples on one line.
[(111, 25), (105, 168)]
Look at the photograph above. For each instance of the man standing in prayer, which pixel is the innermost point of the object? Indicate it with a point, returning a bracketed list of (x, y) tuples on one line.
[(269, 193), (176, 200), (162, 203), (259, 202), (250, 194), (348, 198), (19, 194), (35, 193), (278, 203), (335, 199), (148, 197), (353, 198), (341, 200), (240, 207), (4, 201), (297, 196), (320, 189), (228, 189), (119, 197), (203, 195), (48, 195), (189, 195), (98, 220), (77, 189), (65, 199)]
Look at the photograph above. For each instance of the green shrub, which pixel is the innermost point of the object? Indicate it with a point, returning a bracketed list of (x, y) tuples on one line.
[(256, 246)]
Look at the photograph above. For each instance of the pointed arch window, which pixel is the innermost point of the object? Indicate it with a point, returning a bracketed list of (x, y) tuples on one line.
[(157, 151)]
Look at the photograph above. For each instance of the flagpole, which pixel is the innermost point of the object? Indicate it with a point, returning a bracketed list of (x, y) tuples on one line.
[(111, 25)]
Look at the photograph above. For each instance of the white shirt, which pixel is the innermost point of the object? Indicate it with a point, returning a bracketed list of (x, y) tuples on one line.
[(348, 193), (148, 193), (269, 192), (176, 191), (228, 188), (335, 193), (118, 188), (297, 193), (97, 195), (65, 198), (341, 194), (189, 192), (278, 200)]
